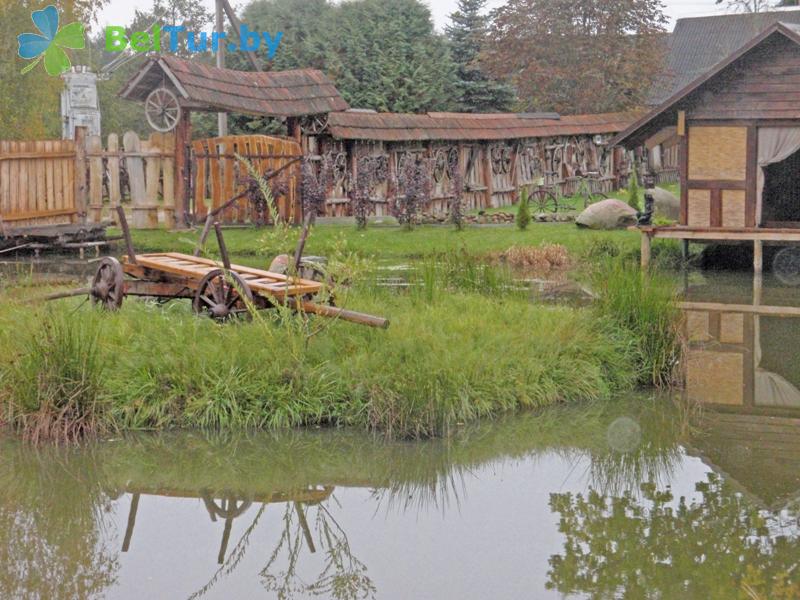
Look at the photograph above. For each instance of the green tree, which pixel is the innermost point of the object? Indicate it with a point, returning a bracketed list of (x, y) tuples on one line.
[(29, 103), (477, 92), (523, 210), (633, 188), (381, 55), (577, 56)]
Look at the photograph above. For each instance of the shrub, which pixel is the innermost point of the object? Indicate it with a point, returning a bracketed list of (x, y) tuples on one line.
[(633, 188), (523, 210)]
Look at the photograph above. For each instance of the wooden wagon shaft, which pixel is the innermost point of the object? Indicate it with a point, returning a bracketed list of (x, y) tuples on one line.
[(334, 312)]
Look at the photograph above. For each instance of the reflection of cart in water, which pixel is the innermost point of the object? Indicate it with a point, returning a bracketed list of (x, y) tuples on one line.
[(230, 506)]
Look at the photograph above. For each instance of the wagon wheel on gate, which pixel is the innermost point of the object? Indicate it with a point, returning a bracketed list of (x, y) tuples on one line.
[(162, 110), (222, 295), (108, 285)]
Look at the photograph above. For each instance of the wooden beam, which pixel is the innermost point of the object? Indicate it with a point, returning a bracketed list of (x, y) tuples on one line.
[(764, 310), (80, 172)]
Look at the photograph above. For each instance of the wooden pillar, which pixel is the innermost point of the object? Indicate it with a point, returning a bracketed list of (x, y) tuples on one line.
[(645, 250), (294, 129), (183, 139), (80, 173), (758, 256), (222, 117), (488, 175), (94, 147)]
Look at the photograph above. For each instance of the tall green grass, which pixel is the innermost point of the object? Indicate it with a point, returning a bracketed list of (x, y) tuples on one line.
[(642, 308), (52, 381), (454, 358)]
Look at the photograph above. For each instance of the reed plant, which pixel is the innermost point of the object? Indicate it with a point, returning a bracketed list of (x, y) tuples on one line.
[(52, 382), (642, 307)]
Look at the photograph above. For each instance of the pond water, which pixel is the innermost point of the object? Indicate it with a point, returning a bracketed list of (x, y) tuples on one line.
[(696, 496)]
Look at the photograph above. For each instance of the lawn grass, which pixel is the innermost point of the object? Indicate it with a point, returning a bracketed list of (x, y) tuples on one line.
[(392, 242)]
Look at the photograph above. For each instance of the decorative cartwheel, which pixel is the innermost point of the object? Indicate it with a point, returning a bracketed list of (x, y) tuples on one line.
[(162, 109)]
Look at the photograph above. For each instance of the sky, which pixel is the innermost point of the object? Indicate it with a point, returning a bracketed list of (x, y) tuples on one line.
[(120, 12)]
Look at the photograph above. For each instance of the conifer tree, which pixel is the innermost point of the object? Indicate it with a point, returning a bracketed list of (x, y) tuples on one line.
[(467, 33)]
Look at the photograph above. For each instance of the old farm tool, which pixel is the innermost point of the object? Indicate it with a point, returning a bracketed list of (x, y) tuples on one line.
[(220, 290)]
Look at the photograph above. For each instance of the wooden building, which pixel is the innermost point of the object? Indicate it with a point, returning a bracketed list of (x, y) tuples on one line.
[(495, 154), (738, 136)]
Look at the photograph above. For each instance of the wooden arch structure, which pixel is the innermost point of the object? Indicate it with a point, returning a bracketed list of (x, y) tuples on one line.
[(207, 171)]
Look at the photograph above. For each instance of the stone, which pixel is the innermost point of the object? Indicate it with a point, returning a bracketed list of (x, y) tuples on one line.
[(279, 264), (666, 204), (607, 214)]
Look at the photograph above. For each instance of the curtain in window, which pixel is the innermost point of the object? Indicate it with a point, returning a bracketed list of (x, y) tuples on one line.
[(774, 145)]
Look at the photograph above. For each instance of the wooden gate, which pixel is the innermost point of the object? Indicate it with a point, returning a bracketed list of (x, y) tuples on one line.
[(218, 175), (37, 183)]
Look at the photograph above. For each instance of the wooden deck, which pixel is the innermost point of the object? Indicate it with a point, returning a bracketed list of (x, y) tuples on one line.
[(757, 235), (195, 268)]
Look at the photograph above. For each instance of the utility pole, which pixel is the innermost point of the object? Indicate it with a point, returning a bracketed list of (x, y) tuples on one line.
[(222, 118)]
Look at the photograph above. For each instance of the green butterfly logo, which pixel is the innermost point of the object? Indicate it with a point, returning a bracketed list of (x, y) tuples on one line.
[(50, 43)]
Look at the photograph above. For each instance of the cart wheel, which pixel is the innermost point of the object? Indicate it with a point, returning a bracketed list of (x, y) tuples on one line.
[(222, 295), (108, 284)]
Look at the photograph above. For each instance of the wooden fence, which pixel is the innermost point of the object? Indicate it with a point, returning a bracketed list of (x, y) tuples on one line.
[(219, 175), (38, 184), (141, 171)]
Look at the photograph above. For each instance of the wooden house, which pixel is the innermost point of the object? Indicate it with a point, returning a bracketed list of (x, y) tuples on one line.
[(737, 129)]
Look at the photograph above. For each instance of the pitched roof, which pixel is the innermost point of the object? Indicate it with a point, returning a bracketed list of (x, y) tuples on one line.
[(655, 119), (360, 125), (697, 44), (270, 93)]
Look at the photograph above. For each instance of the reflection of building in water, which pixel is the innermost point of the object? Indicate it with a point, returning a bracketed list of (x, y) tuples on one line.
[(743, 362), (230, 506)]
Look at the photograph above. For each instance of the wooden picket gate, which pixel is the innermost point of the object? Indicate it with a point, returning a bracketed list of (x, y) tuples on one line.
[(218, 175), (38, 184)]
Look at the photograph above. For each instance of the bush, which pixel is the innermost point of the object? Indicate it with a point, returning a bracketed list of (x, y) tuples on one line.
[(633, 189), (523, 210)]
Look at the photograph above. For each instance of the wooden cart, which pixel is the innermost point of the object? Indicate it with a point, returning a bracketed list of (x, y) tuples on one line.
[(218, 289)]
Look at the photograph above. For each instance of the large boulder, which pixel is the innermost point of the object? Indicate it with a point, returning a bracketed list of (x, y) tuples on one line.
[(607, 214), (666, 204)]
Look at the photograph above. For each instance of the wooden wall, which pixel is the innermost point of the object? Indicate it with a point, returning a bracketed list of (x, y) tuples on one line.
[(492, 172), (717, 173)]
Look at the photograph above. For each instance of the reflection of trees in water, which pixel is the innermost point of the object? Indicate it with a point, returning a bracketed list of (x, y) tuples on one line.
[(343, 576), (52, 526), (649, 546)]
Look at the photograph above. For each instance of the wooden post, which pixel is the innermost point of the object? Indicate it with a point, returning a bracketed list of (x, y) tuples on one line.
[(758, 256), (135, 166), (645, 250), (488, 175), (114, 192), (80, 173), (183, 138), (168, 177), (94, 145), (222, 117), (126, 233), (223, 249)]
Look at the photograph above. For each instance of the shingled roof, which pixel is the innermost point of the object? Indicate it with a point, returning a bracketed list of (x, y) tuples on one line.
[(698, 44), (271, 93), (393, 127)]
